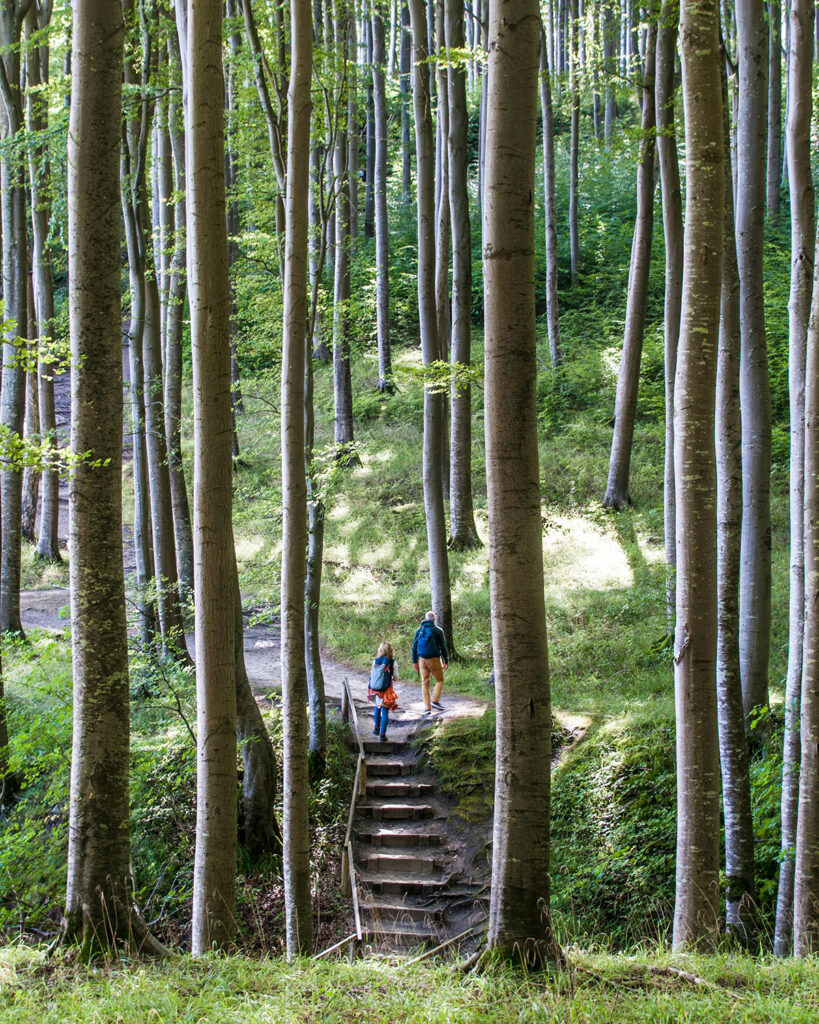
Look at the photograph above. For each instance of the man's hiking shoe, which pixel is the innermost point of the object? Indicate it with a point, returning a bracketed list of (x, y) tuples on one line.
[(437, 705), (383, 737), (428, 712)]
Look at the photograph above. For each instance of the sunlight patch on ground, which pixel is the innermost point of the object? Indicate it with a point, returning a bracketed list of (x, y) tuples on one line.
[(611, 361), (577, 554), (249, 546)]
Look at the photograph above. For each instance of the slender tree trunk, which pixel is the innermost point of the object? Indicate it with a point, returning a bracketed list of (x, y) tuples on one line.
[(48, 545), (98, 898), (550, 208), (611, 30), (342, 380), (673, 234), (774, 175), (404, 88), (369, 145), (382, 237), (31, 425), (433, 402), (806, 866), (625, 406), (299, 920), (215, 603), (696, 913), (519, 920), (574, 144), (463, 533), (177, 288), (803, 230), (736, 781), (755, 566), (15, 276)]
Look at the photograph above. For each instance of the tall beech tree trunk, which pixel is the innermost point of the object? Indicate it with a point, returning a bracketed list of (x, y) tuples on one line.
[(98, 895), (48, 545), (463, 533), (31, 426), (625, 405), (611, 32), (519, 919), (15, 276), (806, 866), (774, 162), (550, 208), (177, 289), (673, 234), (736, 781), (803, 230), (342, 380), (574, 142), (404, 90), (380, 214), (433, 402), (696, 913), (215, 602), (755, 565), (298, 909)]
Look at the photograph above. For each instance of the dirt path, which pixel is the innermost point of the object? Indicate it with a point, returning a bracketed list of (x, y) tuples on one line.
[(48, 609)]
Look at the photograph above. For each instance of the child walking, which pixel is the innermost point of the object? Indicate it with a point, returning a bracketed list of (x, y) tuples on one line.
[(383, 674)]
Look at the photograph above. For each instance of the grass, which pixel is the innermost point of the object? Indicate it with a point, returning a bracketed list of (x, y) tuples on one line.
[(263, 991)]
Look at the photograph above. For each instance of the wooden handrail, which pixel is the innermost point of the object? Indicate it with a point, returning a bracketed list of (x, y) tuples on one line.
[(354, 716), (349, 886), (354, 889), (336, 945)]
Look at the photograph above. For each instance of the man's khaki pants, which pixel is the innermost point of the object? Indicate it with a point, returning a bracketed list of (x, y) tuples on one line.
[(431, 667)]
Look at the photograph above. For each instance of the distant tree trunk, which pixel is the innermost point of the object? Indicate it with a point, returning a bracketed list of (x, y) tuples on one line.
[(404, 88), (433, 403), (31, 426), (382, 237), (15, 275), (803, 230), (774, 175), (550, 208), (443, 220), (519, 920), (177, 288), (98, 907), (673, 234), (736, 781), (463, 533), (611, 31), (755, 566), (342, 380), (369, 144), (215, 603), (48, 545), (352, 123), (298, 910), (696, 913), (574, 144), (625, 406)]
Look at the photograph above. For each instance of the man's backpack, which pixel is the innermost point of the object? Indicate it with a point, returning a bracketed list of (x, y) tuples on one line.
[(380, 677)]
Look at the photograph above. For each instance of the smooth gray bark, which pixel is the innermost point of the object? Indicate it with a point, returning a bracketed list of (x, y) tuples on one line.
[(803, 240), (625, 406), (380, 214), (433, 403), (755, 566), (550, 208)]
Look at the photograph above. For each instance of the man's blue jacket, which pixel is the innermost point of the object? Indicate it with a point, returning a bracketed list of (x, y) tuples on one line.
[(429, 642)]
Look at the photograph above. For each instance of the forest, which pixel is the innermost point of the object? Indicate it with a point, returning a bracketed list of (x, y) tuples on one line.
[(334, 330)]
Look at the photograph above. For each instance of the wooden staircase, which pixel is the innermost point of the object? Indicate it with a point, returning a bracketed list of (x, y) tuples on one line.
[(406, 864)]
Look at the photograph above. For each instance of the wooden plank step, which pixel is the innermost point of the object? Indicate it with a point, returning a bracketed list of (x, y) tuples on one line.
[(373, 746), (399, 837), (397, 812), (376, 911), (381, 882), (399, 863), (400, 790), (388, 769)]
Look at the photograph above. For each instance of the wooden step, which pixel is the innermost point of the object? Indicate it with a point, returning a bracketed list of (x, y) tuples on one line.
[(373, 746), (406, 864), (397, 812), (399, 790), (377, 913), (381, 882), (399, 837), (403, 936), (388, 769)]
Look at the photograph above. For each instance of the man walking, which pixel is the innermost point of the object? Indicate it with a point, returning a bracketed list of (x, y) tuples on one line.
[(430, 657)]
